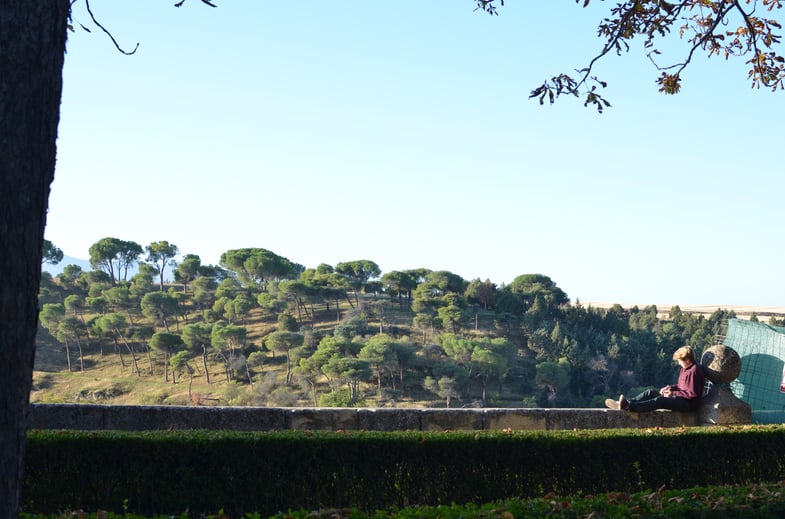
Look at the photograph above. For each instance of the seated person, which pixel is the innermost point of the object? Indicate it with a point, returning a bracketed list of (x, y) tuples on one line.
[(684, 396)]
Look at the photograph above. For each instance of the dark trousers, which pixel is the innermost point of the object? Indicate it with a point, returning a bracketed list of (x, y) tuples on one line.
[(651, 399)]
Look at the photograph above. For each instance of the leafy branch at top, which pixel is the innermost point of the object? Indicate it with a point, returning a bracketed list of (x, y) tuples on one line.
[(706, 26)]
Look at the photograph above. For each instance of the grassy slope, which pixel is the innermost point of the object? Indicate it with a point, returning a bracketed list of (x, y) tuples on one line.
[(106, 380)]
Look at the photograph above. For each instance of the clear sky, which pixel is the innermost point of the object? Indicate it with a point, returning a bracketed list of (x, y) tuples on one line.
[(401, 132)]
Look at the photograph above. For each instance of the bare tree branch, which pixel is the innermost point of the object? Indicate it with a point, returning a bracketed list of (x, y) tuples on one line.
[(613, 42), (87, 3), (208, 2), (700, 43)]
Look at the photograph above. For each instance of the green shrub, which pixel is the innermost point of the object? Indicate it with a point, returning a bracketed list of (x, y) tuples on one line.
[(171, 471), (340, 398)]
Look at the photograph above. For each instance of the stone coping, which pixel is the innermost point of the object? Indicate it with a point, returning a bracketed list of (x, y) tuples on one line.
[(141, 418)]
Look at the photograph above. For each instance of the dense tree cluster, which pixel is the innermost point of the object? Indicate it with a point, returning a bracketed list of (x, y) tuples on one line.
[(283, 334)]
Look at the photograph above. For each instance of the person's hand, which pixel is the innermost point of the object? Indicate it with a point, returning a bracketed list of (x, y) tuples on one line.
[(665, 391)]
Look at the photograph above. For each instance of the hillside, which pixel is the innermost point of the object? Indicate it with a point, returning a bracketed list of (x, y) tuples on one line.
[(110, 377)]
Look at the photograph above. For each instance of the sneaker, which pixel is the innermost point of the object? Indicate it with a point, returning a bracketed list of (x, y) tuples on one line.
[(612, 404), (623, 403)]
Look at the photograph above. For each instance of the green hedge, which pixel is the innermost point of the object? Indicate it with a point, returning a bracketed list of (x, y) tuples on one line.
[(168, 472)]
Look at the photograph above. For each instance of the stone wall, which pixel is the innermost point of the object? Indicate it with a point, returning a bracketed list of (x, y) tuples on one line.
[(139, 418)]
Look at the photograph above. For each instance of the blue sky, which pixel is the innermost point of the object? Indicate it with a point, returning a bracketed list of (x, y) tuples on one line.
[(402, 132)]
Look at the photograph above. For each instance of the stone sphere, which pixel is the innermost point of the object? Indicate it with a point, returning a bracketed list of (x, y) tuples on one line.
[(721, 364)]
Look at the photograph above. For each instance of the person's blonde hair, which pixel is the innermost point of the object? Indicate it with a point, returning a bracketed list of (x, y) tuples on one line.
[(684, 353)]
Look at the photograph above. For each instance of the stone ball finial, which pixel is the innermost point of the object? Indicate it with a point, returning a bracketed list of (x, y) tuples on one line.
[(720, 364)]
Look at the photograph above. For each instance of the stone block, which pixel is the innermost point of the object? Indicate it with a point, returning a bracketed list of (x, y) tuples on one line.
[(67, 416), (559, 419), (658, 418), (245, 418), (721, 407), (666, 418), (139, 418), (321, 419), (388, 419), (515, 419), (451, 420), (170, 418)]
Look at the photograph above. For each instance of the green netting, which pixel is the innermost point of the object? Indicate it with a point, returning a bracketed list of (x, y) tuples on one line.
[(761, 382)]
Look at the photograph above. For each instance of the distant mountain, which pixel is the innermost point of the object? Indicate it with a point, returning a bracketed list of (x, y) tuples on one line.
[(67, 260)]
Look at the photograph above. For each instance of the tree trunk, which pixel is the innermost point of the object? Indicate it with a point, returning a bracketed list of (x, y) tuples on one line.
[(150, 359), (248, 373), (117, 350), (312, 383), (81, 356), (204, 363), (32, 39), (67, 354), (132, 354), (288, 369)]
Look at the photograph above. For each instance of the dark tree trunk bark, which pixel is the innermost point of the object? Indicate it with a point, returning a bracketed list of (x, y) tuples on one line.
[(68, 355), (81, 356), (32, 49), (204, 363)]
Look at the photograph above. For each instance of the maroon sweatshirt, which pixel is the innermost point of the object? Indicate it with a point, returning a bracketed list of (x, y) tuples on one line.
[(690, 384)]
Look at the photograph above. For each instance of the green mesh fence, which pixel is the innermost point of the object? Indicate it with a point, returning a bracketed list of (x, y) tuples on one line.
[(761, 382)]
